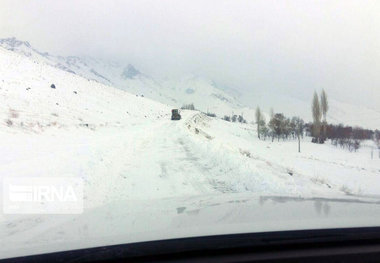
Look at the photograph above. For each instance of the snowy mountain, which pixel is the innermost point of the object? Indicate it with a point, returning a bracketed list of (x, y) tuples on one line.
[(203, 93), (32, 103)]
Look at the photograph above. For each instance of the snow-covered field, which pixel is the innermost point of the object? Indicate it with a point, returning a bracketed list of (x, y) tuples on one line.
[(126, 148)]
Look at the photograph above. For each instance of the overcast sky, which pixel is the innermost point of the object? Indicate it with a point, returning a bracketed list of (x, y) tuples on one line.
[(285, 46)]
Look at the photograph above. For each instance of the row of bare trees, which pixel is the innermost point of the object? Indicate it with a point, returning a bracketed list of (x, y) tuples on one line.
[(279, 127), (235, 118)]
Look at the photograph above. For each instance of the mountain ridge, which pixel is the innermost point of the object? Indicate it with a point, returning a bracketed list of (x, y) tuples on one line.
[(205, 94)]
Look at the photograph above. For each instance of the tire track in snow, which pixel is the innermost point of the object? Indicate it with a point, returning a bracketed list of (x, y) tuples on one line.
[(205, 171), (163, 163)]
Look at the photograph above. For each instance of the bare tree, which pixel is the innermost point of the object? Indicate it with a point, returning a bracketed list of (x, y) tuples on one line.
[(324, 104), (188, 107), (271, 127), (271, 123), (227, 118), (258, 119), (298, 130), (317, 114), (276, 124), (262, 127), (324, 109)]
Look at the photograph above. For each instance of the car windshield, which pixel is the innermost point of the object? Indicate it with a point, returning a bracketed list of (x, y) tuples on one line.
[(130, 121)]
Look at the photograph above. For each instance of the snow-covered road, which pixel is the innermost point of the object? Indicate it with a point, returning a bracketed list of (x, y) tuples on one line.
[(152, 160)]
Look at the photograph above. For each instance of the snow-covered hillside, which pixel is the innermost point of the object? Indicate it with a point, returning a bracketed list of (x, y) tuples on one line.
[(203, 93), (30, 103)]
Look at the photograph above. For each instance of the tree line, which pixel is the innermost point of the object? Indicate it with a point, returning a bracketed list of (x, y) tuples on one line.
[(282, 127), (279, 127), (235, 118)]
